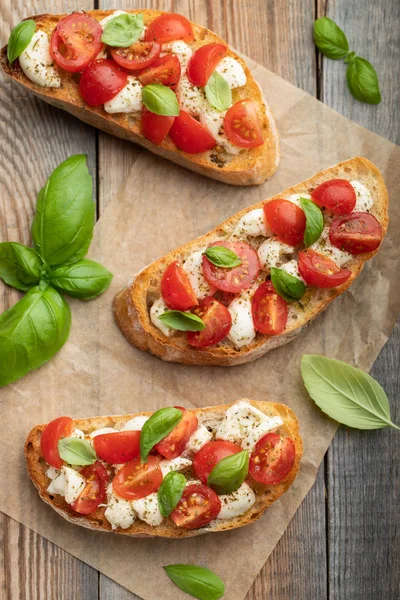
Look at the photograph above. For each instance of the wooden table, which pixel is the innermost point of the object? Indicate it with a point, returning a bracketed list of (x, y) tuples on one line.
[(344, 540)]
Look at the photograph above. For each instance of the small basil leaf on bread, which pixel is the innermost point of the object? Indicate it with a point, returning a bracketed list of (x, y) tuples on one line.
[(218, 92), (123, 30), (160, 100), (288, 286), (157, 427), (170, 492), (20, 38), (182, 321), (76, 451), (314, 221), (228, 475), (220, 256)]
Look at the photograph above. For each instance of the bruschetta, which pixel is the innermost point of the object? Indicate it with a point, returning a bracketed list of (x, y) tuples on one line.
[(127, 480), (155, 79), (255, 281)]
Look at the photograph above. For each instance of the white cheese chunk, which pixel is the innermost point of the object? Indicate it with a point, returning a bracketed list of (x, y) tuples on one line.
[(292, 267), (324, 246), (245, 424), (232, 71), (214, 121), (295, 198), (274, 253), (198, 439), (119, 512), (77, 433), (242, 331), (147, 509), (182, 50), (102, 431), (364, 200), (159, 307), (52, 472), (128, 100), (69, 483), (176, 464), (236, 503), (57, 485), (135, 424), (191, 98), (252, 224), (193, 266), (37, 63)]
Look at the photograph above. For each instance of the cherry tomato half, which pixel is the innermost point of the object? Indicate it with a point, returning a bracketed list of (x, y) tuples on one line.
[(176, 288), (210, 455), (53, 432), (217, 320), (321, 271), (119, 447), (155, 127), (137, 480), (203, 63), (269, 310), (94, 492), (235, 279), (198, 506), (101, 81), (356, 233), (272, 459), (242, 126), (137, 56), (165, 70), (286, 220), (337, 195), (189, 135), (168, 28), (76, 41), (174, 443)]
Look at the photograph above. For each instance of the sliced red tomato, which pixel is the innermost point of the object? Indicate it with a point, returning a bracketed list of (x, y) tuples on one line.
[(210, 455), (119, 447), (321, 271), (52, 433), (168, 28), (175, 442), (269, 310), (94, 492), (337, 195), (190, 135), (101, 81), (137, 56), (272, 459), (176, 288), (242, 126), (235, 279), (165, 70), (76, 41), (155, 127), (286, 220), (137, 480), (203, 63), (198, 506), (356, 233), (217, 320)]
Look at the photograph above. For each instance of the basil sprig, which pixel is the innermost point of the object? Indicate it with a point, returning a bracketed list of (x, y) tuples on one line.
[(160, 424), (182, 321), (160, 100), (362, 79), (220, 256), (218, 92), (76, 451), (170, 492), (123, 30), (20, 38), (288, 286), (34, 329), (314, 221), (346, 393), (228, 475), (198, 582)]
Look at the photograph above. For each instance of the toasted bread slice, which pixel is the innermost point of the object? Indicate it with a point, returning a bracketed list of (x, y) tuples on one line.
[(131, 305), (210, 417), (249, 167)]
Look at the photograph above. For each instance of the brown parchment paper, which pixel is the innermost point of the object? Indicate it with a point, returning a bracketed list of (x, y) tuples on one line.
[(98, 373)]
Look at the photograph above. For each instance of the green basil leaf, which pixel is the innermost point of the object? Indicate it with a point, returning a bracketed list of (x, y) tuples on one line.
[(221, 256), (20, 266), (19, 39), (63, 225), (160, 424), (160, 100), (170, 492), (76, 451), (228, 475), (32, 331), (85, 279), (346, 393), (314, 221), (288, 286), (182, 321), (330, 39), (123, 30), (362, 81), (218, 92), (196, 581)]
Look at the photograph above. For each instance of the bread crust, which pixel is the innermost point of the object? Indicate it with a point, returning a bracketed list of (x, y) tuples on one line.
[(251, 167), (266, 495), (131, 307)]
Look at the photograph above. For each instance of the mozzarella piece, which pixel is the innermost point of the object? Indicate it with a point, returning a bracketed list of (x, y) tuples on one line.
[(232, 71), (102, 431), (176, 464), (69, 483), (245, 424), (57, 485), (197, 440), (37, 63), (364, 200), (324, 246), (236, 503), (194, 270), (191, 98), (292, 267), (52, 472), (182, 50), (135, 424), (147, 509), (119, 512), (242, 331), (273, 253), (252, 224), (295, 198), (214, 121), (128, 100), (77, 433), (159, 307)]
